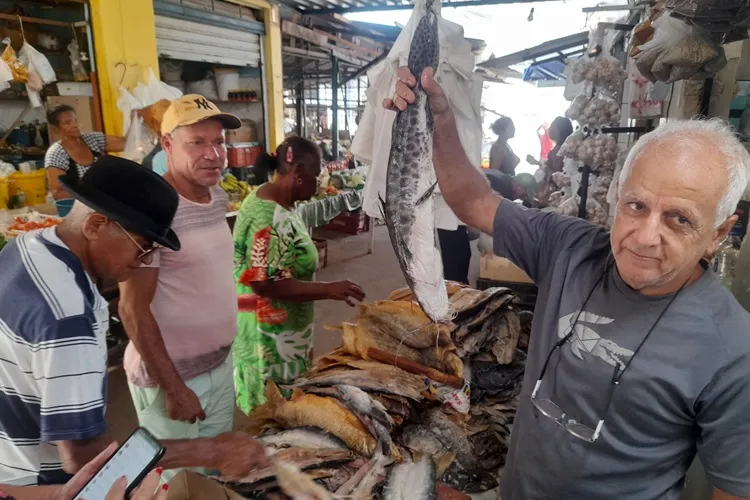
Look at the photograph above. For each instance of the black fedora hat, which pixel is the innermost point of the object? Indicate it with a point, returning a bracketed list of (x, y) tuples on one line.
[(139, 199)]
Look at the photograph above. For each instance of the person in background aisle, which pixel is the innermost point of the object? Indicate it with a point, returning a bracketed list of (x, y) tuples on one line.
[(180, 311), (53, 323), (640, 357), (455, 246), (559, 132), (502, 157), (274, 264), (75, 151)]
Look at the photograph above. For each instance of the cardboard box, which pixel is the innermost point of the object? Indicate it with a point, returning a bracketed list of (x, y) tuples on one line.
[(501, 269), (188, 485)]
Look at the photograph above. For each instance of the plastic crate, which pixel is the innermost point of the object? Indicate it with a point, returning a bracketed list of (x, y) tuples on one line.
[(355, 222)]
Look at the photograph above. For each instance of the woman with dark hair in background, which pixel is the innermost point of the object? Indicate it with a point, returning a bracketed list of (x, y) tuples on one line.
[(275, 261), (559, 131), (502, 157), (75, 151)]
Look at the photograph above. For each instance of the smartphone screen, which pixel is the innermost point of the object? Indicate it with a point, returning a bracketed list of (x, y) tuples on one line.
[(133, 459)]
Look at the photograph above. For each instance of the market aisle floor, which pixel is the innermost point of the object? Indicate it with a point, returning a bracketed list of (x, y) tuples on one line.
[(378, 273)]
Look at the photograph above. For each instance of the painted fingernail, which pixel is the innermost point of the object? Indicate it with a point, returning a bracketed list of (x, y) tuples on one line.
[(165, 487), (159, 470)]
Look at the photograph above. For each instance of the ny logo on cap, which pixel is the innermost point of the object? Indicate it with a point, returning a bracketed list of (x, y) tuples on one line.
[(202, 103)]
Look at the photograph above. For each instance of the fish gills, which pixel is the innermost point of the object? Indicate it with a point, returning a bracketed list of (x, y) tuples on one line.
[(409, 207), (412, 481)]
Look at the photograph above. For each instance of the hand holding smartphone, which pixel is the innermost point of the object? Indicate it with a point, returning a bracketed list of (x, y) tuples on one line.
[(134, 459)]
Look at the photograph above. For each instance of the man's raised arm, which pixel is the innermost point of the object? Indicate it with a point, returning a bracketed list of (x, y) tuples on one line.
[(463, 187)]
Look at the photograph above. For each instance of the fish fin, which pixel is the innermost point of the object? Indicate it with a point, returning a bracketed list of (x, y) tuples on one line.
[(274, 398), (426, 194), (382, 206), (443, 461), (333, 328), (297, 395)]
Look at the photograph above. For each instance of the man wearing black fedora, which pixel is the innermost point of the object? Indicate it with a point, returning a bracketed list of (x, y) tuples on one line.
[(53, 322)]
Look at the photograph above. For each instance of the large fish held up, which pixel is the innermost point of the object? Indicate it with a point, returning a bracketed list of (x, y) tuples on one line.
[(409, 208)]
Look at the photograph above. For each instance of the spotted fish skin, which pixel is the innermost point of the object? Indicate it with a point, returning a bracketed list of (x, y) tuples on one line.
[(411, 179)]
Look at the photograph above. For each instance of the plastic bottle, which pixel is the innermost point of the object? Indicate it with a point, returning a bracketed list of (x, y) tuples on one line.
[(727, 256)]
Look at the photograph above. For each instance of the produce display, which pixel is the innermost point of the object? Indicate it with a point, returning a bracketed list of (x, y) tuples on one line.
[(403, 409), (348, 179), (13, 226), (237, 191)]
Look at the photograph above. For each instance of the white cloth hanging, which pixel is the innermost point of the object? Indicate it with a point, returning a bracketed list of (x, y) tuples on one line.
[(372, 143)]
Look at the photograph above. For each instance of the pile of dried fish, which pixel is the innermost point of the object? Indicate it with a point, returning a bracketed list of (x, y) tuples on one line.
[(387, 415)]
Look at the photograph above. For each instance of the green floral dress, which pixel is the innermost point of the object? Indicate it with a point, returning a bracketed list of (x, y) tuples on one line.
[(275, 337)]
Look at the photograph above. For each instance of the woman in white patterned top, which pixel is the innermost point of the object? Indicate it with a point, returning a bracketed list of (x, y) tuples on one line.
[(75, 150)]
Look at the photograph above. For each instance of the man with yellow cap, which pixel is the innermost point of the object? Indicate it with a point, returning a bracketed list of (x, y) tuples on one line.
[(180, 311)]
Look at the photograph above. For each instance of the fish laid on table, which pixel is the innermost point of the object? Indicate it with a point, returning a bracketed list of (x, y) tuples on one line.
[(405, 322), (383, 378), (409, 207), (305, 410), (412, 481), (303, 437), (300, 458), (373, 416), (298, 485)]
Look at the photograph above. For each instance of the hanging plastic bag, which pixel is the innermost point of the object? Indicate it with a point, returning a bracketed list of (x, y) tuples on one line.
[(37, 62), (139, 140), (6, 75), (76, 59), (154, 91), (126, 103), (20, 72)]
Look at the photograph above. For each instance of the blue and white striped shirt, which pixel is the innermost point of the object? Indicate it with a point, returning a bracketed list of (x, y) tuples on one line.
[(53, 357)]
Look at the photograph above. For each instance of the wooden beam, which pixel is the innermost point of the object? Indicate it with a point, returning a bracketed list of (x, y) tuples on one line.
[(348, 44), (34, 20)]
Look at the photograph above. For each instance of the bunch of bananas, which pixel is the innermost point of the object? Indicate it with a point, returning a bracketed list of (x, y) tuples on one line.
[(237, 190)]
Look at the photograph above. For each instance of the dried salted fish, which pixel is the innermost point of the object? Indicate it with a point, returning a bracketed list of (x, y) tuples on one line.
[(452, 436), (373, 416), (507, 339), (303, 437), (467, 298), (300, 458), (412, 480), (364, 335), (375, 474), (297, 484), (383, 378), (304, 410), (474, 481), (405, 322), (500, 299)]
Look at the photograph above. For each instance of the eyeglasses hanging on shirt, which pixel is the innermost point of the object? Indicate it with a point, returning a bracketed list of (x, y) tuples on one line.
[(551, 410)]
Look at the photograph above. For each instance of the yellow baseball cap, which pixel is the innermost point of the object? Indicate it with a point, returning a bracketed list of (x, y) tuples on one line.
[(194, 108)]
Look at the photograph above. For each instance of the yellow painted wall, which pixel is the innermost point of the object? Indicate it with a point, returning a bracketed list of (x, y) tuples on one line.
[(125, 43)]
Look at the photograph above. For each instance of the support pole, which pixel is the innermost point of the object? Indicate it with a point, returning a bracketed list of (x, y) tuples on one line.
[(583, 191), (300, 108), (335, 107)]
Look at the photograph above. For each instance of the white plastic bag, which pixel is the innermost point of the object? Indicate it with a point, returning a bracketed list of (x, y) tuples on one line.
[(6, 75), (126, 103), (139, 140), (153, 91), (37, 62)]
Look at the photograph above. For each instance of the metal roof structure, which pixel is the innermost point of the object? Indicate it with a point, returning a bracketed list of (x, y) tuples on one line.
[(547, 59), (317, 7)]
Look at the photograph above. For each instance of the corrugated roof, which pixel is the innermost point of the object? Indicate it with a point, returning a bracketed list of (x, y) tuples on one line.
[(310, 7), (554, 49)]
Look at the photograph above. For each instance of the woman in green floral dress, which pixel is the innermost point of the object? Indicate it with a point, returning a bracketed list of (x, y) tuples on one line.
[(274, 265)]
